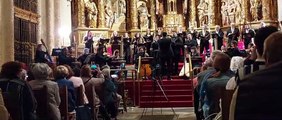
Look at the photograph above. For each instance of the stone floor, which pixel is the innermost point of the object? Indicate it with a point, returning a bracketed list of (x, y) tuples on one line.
[(135, 113)]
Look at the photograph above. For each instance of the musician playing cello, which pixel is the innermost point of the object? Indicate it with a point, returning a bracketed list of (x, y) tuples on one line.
[(41, 56)]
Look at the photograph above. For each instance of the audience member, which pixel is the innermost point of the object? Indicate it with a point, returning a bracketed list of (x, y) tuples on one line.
[(4, 114), (213, 83), (259, 94), (77, 82), (18, 95), (41, 72), (60, 75)]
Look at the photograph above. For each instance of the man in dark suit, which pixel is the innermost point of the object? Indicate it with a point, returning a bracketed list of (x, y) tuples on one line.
[(218, 35), (232, 33), (248, 34), (165, 54), (204, 36), (177, 45), (259, 94)]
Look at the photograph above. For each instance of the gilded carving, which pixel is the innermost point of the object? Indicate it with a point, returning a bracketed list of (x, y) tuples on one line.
[(203, 10), (256, 9), (91, 13), (109, 14), (143, 16)]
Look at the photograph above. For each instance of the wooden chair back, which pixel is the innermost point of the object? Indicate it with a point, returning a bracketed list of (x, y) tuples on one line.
[(41, 96), (64, 102), (226, 97), (90, 93), (79, 96)]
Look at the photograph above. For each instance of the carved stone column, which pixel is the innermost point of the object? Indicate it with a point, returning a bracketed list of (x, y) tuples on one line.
[(50, 24), (133, 14), (192, 17), (246, 11), (212, 9), (153, 14), (266, 13), (81, 13), (101, 14), (7, 31), (58, 40)]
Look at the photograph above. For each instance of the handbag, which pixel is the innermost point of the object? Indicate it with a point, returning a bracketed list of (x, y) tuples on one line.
[(83, 113)]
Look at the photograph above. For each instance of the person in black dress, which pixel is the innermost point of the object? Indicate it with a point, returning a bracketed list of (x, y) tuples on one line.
[(148, 40), (88, 39), (126, 47)]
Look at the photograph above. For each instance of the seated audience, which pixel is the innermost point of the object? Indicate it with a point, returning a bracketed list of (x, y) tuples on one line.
[(109, 96), (213, 83), (60, 74), (234, 50), (85, 58), (259, 94), (41, 73), (65, 57), (15, 90), (77, 82), (236, 63)]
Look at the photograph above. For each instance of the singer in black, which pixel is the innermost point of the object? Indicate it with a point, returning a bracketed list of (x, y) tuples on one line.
[(115, 40), (204, 36), (177, 45), (165, 55), (126, 47), (88, 39), (218, 35), (248, 34), (232, 34), (148, 40)]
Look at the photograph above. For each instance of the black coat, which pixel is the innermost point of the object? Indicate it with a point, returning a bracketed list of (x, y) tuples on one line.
[(233, 36), (165, 47)]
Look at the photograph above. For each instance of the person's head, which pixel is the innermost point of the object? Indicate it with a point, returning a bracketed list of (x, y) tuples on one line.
[(204, 27), (222, 62), (273, 48), (40, 71), (217, 27), (260, 37), (137, 35), (262, 24), (70, 71), (148, 32), (234, 44), (247, 26), (189, 36), (61, 72), (193, 49), (86, 51), (141, 50), (232, 25), (85, 71), (164, 34), (174, 34), (106, 71), (65, 51), (126, 34), (191, 28), (89, 33), (215, 53), (116, 53), (11, 69), (115, 33), (39, 47)]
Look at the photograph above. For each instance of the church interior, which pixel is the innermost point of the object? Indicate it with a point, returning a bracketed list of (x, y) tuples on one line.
[(144, 59)]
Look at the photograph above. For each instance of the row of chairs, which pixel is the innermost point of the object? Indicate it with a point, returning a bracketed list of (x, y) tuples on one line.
[(42, 108)]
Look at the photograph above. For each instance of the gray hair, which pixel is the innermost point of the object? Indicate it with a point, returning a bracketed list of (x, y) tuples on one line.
[(214, 53), (86, 51), (41, 71)]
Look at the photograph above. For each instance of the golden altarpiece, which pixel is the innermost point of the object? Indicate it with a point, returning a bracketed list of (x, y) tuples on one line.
[(102, 17)]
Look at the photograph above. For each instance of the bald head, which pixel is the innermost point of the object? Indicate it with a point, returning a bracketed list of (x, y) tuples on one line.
[(273, 48)]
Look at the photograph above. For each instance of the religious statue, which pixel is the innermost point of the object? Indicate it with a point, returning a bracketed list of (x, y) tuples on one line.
[(202, 11), (109, 14), (91, 11), (143, 16), (238, 14), (122, 7), (224, 13), (256, 7)]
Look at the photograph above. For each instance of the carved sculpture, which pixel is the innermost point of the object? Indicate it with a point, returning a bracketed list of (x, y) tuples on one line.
[(256, 8), (91, 11), (224, 13), (143, 15), (203, 11), (109, 14), (122, 7)]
